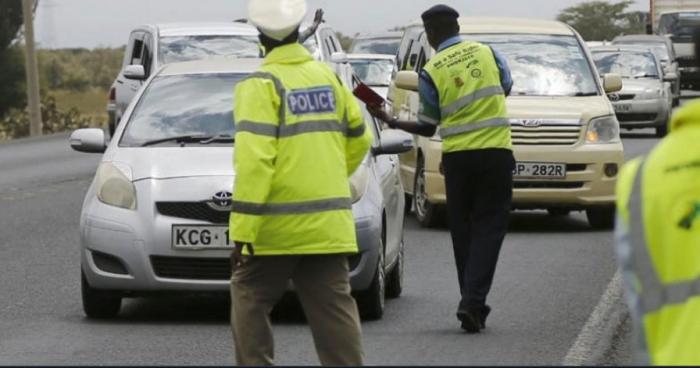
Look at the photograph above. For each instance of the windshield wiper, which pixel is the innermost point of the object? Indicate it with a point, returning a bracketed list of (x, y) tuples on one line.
[(585, 94), (202, 139), (646, 76)]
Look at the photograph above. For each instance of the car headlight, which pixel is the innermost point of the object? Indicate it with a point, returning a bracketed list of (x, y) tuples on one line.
[(114, 186), (603, 130), (358, 183)]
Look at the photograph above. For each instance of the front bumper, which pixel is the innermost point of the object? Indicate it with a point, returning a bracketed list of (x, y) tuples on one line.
[(586, 184), (643, 113), (130, 251)]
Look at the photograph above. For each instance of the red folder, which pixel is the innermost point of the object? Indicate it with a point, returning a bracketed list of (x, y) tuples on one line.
[(368, 96)]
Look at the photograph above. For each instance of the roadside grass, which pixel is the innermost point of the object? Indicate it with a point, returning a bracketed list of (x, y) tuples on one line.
[(90, 102)]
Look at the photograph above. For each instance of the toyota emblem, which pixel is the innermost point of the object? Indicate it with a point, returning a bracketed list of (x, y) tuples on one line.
[(221, 201), (614, 97)]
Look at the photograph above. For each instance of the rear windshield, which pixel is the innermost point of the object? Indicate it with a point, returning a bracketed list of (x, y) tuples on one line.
[(180, 105), (658, 48), (388, 46), (627, 64), (188, 48), (544, 65)]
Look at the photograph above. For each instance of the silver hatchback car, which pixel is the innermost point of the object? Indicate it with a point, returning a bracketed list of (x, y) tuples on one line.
[(155, 218), (646, 99)]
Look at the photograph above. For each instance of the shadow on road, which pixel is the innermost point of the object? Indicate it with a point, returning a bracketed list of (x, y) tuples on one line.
[(637, 135)]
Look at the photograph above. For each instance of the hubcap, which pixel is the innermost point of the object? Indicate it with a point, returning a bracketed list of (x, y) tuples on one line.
[(420, 196)]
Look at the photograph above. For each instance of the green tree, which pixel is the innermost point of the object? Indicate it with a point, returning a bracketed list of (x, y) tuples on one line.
[(602, 20), (12, 84), (345, 41)]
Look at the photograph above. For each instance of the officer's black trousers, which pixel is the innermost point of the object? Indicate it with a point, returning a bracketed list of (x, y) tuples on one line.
[(479, 186)]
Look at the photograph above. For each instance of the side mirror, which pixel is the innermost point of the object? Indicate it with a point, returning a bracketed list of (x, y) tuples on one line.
[(339, 57), (612, 83), (407, 79), (393, 142), (88, 140), (135, 72), (670, 77)]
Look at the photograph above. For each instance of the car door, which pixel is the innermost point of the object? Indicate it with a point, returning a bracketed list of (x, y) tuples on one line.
[(127, 88), (386, 170)]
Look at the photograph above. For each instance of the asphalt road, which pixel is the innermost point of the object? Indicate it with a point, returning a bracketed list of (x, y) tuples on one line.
[(551, 275)]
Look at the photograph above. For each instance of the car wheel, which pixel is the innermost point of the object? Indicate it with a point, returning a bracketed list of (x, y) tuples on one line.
[(558, 212), (98, 304), (371, 301), (428, 214), (394, 281), (409, 204), (602, 218), (662, 130)]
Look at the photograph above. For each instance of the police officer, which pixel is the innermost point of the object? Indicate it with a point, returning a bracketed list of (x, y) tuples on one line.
[(658, 243), (299, 136), (463, 90)]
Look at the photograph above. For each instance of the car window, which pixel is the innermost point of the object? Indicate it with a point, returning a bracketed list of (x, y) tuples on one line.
[(544, 65), (147, 57), (175, 49), (388, 46), (627, 64), (679, 25), (136, 51), (179, 105), (373, 72)]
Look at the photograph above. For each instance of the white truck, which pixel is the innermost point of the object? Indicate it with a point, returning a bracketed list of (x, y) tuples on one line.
[(677, 19)]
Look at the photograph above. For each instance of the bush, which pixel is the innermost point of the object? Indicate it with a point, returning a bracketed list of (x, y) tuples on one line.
[(15, 124), (12, 80)]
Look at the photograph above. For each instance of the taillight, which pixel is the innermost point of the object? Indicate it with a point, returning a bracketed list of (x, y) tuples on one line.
[(113, 94)]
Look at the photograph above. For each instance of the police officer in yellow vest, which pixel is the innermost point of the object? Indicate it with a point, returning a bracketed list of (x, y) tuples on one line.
[(299, 136), (463, 90), (658, 243)]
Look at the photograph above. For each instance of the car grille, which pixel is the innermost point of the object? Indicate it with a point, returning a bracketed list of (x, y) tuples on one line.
[(205, 268), (551, 135), (636, 117), (626, 97), (547, 184), (192, 268), (193, 211)]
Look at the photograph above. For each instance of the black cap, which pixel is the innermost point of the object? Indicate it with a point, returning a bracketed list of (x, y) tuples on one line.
[(439, 10)]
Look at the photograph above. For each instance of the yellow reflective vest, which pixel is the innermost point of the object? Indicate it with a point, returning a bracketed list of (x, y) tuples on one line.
[(299, 135), (658, 244), (472, 101)]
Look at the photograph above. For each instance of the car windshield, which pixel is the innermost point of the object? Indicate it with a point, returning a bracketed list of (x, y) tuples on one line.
[(175, 106), (627, 64), (679, 25), (373, 72), (388, 46), (658, 48), (544, 65), (186, 48)]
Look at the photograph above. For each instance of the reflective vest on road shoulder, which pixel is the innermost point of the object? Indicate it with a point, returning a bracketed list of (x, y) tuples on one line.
[(472, 101), (658, 242)]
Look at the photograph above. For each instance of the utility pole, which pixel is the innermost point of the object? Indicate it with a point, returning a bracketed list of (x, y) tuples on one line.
[(33, 98)]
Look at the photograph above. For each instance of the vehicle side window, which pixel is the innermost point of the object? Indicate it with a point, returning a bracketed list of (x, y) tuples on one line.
[(136, 50), (413, 56), (405, 63)]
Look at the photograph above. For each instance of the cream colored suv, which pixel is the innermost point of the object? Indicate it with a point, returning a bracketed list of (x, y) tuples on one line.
[(565, 134)]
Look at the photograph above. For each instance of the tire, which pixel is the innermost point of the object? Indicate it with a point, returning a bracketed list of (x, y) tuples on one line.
[(558, 212), (394, 281), (662, 130), (98, 304), (371, 301), (409, 204), (427, 214), (601, 218)]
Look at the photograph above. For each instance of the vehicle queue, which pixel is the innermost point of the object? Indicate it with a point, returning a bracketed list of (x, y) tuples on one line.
[(164, 184)]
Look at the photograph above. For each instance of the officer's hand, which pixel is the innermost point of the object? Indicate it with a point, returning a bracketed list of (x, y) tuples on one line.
[(318, 17), (237, 257), (379, 113)]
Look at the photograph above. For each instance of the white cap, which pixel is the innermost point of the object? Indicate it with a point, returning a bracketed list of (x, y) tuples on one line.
[(277, 19)]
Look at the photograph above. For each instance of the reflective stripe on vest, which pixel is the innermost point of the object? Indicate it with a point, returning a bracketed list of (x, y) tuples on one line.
[(302, 127), (654, 294), (466, 128), (295, 208), (467, 100)]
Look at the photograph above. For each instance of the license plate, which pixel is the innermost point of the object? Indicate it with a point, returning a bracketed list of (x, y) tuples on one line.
[(622, 107), (539, 170), (200, 237)]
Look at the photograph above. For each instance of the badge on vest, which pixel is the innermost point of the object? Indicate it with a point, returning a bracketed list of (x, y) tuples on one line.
[(311, 101)]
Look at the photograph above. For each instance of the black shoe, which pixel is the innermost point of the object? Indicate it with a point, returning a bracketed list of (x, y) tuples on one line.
[(483, 314), (470, 321)]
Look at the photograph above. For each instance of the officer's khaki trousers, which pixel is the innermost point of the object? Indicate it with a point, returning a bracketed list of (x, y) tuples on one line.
[(322, 284)]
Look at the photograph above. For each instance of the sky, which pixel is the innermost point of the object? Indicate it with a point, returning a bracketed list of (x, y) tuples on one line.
[(93, 23)]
